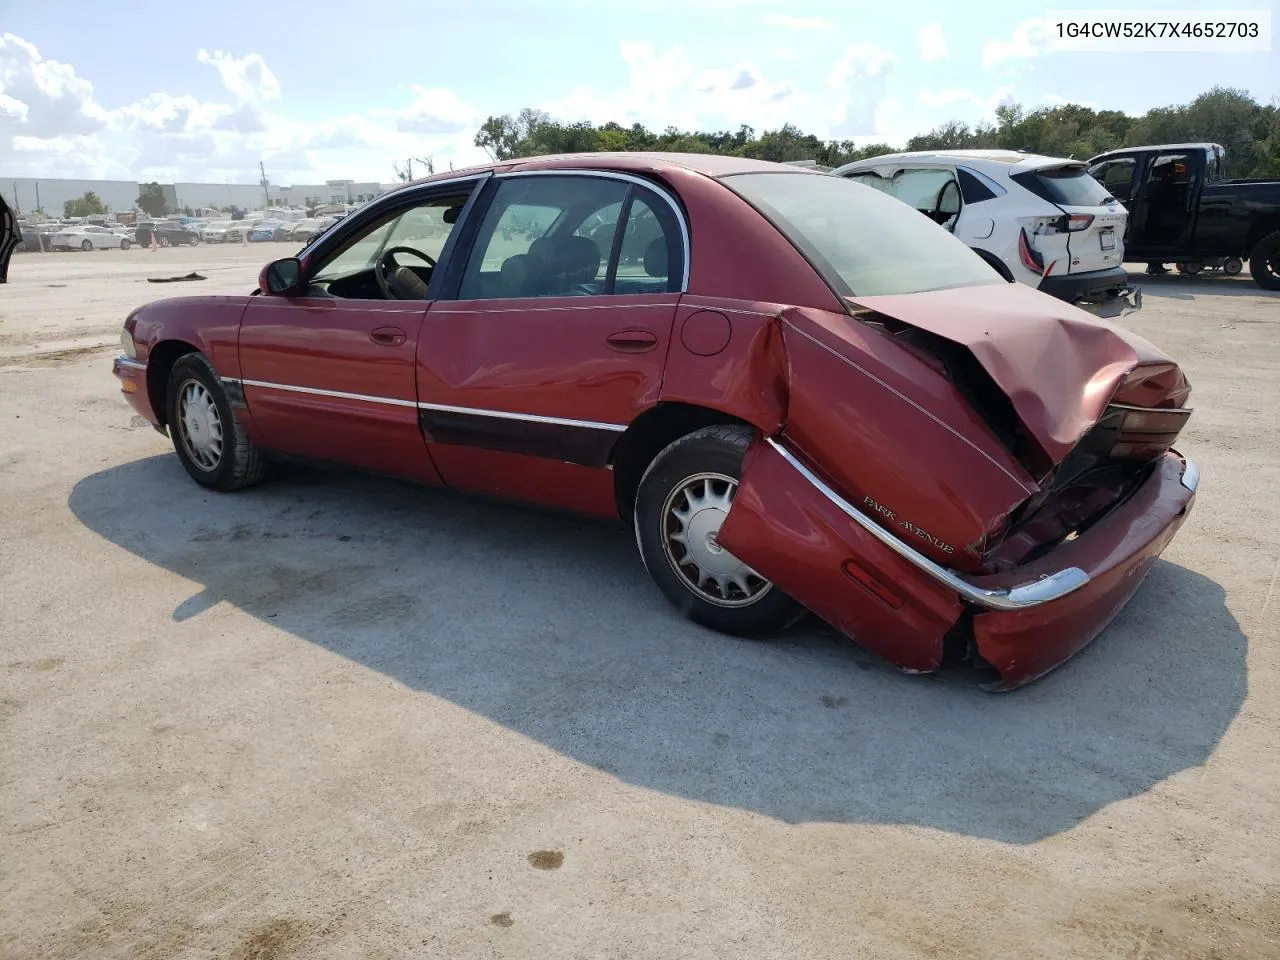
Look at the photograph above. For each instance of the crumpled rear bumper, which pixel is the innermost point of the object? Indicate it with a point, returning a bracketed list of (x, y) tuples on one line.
[(796, 530), (1117, 553)]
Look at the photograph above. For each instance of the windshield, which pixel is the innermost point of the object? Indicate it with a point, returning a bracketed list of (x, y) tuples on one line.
[(864, 242)]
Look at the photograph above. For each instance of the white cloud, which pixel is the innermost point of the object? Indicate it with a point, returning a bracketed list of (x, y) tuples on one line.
[(53, 126), (785, 22), (667, 90), (933, 46), (1029, 39), (860, 84), (248, 78)]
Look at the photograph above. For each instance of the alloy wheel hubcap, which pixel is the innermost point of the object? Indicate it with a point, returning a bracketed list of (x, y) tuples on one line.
[(691, 519), (200, 425)]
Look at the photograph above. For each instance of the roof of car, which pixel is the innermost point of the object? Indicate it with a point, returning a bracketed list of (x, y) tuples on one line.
[(994, 160), (710, 164), (1160, 146)]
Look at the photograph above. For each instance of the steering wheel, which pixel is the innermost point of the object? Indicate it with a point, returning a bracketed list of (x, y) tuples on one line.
[(386, 263)]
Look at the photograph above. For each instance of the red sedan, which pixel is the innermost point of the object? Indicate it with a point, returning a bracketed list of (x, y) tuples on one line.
[(799, 391)]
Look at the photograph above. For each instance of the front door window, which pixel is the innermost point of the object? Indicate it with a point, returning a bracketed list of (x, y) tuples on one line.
[(403, 246), (1116, 176)]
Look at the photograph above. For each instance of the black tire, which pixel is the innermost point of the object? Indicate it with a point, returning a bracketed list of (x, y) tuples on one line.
[(240, 463), (124, 244), (1264, 262), (1232, 266), (1190, 267), (714, 450), (86, 245)]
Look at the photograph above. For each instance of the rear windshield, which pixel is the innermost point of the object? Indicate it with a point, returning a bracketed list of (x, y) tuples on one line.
[(864, 242), (1066, 186)]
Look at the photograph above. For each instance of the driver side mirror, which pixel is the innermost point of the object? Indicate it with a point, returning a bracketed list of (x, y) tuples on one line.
[(281, 278)]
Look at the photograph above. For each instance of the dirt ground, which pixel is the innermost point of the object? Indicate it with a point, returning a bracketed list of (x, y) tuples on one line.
[(337, 716)]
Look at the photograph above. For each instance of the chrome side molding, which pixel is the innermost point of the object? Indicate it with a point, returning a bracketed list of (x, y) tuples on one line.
[(1031, 594), (1190, 474)]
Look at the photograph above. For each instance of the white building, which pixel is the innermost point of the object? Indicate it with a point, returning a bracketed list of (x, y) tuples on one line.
[(246, 196), (26, 194), (120, 196)]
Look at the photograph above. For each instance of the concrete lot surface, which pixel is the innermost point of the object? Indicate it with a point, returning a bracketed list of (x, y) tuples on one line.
[(336, 716)]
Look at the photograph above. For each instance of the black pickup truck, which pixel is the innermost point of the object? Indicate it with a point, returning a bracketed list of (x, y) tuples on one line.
[(1183, 209)]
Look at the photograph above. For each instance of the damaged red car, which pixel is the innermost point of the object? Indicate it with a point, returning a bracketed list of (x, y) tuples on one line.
[(801, 394)]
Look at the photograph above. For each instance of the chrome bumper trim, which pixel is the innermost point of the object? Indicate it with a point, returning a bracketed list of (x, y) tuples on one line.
[(131, 364), (1031, 594), (1190, 475)]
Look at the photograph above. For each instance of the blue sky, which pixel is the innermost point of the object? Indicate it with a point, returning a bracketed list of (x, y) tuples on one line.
[(327, 89)]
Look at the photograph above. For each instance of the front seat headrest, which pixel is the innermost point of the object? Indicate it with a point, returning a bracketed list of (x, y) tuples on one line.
[(575, 260), (541, 249), (451, 215), (655, 257)]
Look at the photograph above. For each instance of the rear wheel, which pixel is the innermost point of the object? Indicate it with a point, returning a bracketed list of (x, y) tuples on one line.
[(1190, 267), (207, 437), (684, 497), (124, 244), (1264, 262), (86, 245), (1232, 266)]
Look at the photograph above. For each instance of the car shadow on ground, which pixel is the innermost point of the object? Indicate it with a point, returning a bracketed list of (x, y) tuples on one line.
[(550, 626)]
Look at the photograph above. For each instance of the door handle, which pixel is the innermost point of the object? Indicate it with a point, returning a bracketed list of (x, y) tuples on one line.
[(387, 336), (632, 341)]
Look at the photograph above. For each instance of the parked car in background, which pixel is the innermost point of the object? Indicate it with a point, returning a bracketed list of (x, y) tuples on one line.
[(269, 230), (216, 231), (35, 237), (1184, 210), (1042, 221), (87, 238), (803, 394), (304, 230)]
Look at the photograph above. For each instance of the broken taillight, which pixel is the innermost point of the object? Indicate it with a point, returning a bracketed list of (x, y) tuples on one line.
[(1030, 256), (1143, 432)]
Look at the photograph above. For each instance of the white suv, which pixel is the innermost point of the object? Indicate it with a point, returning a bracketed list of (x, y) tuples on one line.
[(1042, 221)]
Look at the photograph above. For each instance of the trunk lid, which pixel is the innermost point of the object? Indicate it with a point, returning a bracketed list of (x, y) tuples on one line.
[(1089, 236), (1058, 366)]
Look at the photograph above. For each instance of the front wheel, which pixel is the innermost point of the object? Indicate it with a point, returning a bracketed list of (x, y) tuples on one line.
[(1232, 266), (1264, 262), (86, 246), (1190, 267), (684, 497), (124, 244), (207, 437)]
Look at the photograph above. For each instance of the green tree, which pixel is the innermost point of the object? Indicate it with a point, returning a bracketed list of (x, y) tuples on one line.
[(151, 200), (1223, 115), (84, 206)]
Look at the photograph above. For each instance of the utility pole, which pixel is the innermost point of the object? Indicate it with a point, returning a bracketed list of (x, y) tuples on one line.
[(39, 209), (266, 197), (17, 202)]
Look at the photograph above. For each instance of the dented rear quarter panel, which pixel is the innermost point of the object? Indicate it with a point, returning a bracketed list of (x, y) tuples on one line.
[(896, 438)]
